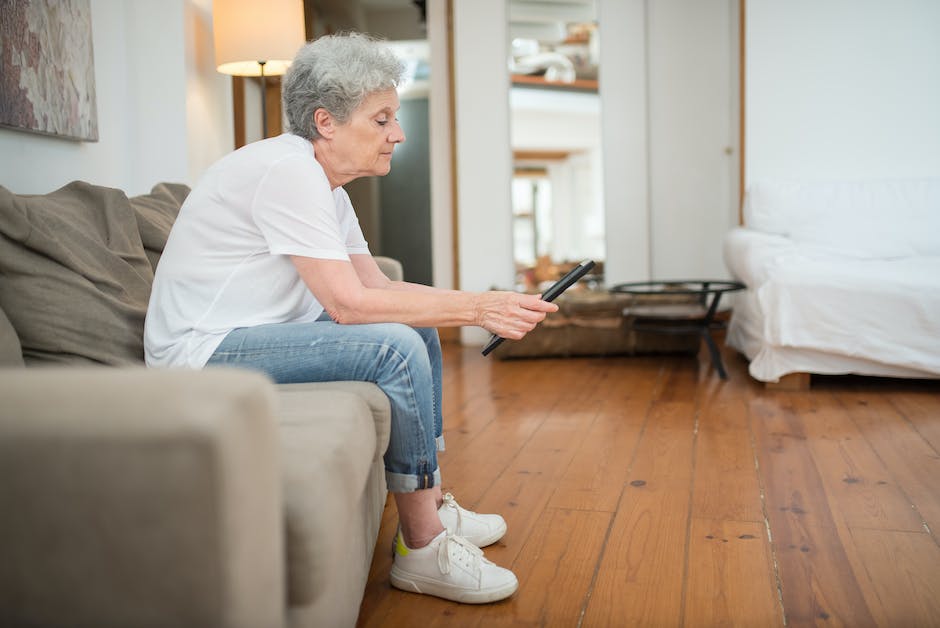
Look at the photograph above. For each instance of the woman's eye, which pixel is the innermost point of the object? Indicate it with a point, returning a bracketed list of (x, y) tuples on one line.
[(382, 122)]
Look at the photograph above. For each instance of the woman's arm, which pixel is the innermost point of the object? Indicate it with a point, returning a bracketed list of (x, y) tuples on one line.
[(355, 292), (372, 277)]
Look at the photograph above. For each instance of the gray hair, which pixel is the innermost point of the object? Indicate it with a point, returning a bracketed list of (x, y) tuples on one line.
[(336, 73)]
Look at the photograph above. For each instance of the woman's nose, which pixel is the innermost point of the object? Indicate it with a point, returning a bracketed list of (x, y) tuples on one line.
[(397, 134)]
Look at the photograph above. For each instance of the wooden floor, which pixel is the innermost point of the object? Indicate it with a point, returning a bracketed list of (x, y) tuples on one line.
[(647, 492)]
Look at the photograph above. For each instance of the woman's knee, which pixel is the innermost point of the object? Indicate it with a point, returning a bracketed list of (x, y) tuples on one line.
[(404, 338), (403, 347), (428, 334)]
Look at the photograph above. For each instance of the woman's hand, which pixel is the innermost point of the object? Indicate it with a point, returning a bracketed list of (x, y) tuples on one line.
[(511, 314)]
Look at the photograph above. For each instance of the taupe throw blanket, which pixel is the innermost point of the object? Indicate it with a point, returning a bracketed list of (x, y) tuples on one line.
[(75, 275)]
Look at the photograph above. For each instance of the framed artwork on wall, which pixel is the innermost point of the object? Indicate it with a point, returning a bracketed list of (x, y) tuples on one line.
[(47, 69)]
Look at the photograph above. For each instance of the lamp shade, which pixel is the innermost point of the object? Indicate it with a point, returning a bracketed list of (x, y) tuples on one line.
[(248, 32)]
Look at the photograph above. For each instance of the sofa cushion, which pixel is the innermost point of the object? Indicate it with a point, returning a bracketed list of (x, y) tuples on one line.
[(74, 277), (155, 214), (11, 352), (373, 396)]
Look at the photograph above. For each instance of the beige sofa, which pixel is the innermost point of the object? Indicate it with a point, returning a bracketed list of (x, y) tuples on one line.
[(139, 497)]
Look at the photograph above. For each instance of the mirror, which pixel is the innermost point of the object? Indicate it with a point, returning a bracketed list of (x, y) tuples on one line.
[(557, 191)]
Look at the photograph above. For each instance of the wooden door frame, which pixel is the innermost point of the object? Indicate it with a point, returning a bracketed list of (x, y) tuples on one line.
[(452, 110), (742, 66)]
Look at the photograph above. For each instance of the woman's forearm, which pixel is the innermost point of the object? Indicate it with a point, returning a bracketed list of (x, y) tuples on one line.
[(411, 304), (340, 288)]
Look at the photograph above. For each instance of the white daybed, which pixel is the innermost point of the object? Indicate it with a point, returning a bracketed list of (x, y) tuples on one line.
[(842, 277)]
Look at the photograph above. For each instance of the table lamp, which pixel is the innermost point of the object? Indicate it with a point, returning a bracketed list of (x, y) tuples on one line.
[(257, 38)]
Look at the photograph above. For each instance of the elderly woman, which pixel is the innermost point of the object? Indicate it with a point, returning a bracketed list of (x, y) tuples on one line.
[(266, 268)]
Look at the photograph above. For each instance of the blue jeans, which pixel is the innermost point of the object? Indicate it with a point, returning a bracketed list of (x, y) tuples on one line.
[(405, 362)]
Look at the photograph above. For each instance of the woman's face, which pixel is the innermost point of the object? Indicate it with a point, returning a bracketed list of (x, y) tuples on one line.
[(366, 141)]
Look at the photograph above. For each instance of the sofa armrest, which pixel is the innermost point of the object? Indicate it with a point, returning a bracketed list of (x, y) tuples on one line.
[(139, 497), (391, 267), (335, 430), (750, 255)]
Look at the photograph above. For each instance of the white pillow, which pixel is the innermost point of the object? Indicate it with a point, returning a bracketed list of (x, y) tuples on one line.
[(865, 219)]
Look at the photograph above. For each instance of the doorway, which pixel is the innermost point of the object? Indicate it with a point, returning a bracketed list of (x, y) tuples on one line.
[(394, 211), (640, 155), (555, 138)]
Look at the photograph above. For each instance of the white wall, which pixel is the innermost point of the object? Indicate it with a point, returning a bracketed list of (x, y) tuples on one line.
[(163, 112), (209, 114), (844, 89), (442, 224), (624, 117), (693, 157), (154, 77), (484, 159)]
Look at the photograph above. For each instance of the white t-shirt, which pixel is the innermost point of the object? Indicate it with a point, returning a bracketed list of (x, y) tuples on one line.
[(226, 261)]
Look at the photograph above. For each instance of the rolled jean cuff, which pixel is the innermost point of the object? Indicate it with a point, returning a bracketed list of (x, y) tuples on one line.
[(439, 441), (404, 483)]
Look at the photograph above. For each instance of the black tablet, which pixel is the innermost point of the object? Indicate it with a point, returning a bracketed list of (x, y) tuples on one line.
[(549, 295)]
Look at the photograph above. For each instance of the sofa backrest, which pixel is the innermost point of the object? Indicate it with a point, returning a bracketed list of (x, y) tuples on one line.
[(11, 352), (76, 268), (865, 219), (155, 213)]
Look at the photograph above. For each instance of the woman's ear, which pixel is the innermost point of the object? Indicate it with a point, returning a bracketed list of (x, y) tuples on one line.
[(324, 122)]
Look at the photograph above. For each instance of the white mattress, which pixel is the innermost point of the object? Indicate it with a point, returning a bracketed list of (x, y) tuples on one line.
[(808, 309)]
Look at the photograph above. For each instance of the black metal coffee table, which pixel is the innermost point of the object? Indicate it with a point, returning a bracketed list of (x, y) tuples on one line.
[(692, 316)]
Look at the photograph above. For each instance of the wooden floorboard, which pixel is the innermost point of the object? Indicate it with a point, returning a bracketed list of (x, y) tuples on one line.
[(815, 571), (560, 554), (730, 576), (913, 464), (650, 527), (901, 576), (726, 486), (921, 410), (646, 491)]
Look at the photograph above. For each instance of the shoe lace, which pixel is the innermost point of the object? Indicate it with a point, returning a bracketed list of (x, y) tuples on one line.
[(460, 549), (451, 502)]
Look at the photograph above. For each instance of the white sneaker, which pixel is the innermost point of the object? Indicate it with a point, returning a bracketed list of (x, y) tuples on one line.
[(452, 568), (481, 530)]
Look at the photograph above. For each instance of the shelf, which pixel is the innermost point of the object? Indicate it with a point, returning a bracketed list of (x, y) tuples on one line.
[(526, 80)]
